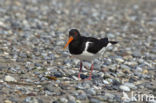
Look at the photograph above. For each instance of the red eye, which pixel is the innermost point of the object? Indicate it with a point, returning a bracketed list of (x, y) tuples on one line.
[(75, 33)]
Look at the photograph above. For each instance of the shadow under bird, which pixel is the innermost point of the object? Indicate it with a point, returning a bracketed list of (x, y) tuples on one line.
[(86, 48)]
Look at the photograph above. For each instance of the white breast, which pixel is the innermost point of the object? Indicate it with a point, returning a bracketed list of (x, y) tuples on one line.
[(86, 55), (89, 56)]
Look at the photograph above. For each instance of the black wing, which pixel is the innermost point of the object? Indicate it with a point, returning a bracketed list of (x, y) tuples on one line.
[(96, 44)]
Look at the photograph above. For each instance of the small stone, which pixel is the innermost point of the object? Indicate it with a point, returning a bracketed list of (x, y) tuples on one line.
[(108, 87), (75, 77), (124, 66), (81, 95), (110, 35), (91, 91), (71, 101), (152, 101), (120, 60), (9, 78), (49, 87), (124, 88), (7, 101), (63, 100), (132, 79), (97, 66), (2, 67), (71, 98), (108, 96), (137, 54), (117, 98), (101, 74), (130, 85), (87, 64), (58, 74), (79, 86), (131, 63), (116, 82), (55, 102), (145, 71), (78, 101), (93, 100), (138, 69), (105, 82), (32, 100)]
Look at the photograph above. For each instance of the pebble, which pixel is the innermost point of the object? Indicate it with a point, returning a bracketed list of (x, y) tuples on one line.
[(124, 88), (71, 98), (139, 69), (130, 85), (137, 54), (108, 96), (7, 101), (131, 63), (93, 100), (91, 91), (32, 100), (120, 60), (9, 78), (81, 95), (105, 82), (58, 74), (63, 100), (125, 66), (71, 101), (152, 101), (49, 87), (116, 82), (75, 77)]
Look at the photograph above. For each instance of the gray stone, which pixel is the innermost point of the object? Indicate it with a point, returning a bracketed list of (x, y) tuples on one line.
[(91, 91), (63, 100), (130, 85), (105, 82), (123, 66), (120, 60), (93, 100), (49, 87), (9, 78), (137, 54), (32, 100), (71, 98), (108, 96), (81, 95), (138, 69), (124, 88)]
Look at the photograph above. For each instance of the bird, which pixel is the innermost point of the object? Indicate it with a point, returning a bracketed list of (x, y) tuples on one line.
[(86, 48)]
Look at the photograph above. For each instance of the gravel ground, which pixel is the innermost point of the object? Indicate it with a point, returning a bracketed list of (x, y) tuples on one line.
[(34, 67)]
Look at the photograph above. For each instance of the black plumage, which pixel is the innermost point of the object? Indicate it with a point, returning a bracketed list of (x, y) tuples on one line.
[(86, 48), (78, 44)]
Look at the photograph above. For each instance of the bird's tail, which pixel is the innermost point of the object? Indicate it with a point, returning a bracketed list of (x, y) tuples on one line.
[(113, 42), (105, 41)]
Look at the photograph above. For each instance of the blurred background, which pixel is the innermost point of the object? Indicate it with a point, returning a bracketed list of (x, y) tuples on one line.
[(34, 67)]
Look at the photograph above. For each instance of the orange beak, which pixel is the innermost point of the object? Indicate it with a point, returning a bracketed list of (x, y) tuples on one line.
[(70, 39)]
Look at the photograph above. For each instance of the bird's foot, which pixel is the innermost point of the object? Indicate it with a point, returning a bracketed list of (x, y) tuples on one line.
[(89, 78)]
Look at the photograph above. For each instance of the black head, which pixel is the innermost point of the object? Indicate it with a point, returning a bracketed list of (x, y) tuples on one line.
[(74, 33)]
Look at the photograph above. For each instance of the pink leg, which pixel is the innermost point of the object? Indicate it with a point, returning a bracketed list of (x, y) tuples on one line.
[(90, 74), (80, 70)]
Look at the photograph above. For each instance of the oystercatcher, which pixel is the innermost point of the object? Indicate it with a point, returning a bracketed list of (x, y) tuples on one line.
[(86, 48)]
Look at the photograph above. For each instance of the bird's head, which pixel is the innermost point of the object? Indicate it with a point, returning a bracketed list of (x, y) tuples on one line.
[(73, 34)]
